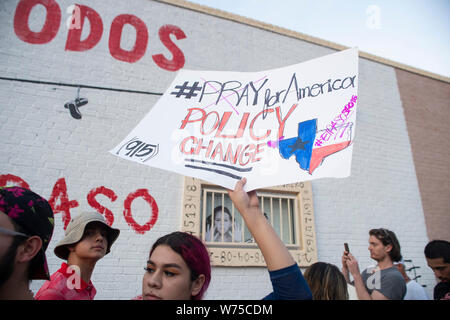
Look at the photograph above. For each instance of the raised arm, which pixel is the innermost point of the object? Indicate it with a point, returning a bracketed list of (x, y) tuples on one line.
[(273, 249), (287, 280)]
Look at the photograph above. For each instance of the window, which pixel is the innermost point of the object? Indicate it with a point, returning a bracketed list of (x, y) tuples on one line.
[(209, 214)]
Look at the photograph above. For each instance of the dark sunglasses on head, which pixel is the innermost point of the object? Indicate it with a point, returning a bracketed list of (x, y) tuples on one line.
[(385, 234)]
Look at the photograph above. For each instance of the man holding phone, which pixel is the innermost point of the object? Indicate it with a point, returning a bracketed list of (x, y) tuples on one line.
[(384, 282)]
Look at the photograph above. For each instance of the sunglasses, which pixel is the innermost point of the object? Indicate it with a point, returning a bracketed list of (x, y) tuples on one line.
[(13, 233), (385, 234)]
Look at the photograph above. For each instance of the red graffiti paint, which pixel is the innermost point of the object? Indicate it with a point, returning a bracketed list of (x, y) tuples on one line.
[(129, 217), (115, 35), (51, 25), (60, 193), (178, 60), (74, 42), (12, 180), (60, 203), (97, 206)]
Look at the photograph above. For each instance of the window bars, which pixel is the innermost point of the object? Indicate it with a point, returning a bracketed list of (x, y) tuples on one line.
[(223, 224)]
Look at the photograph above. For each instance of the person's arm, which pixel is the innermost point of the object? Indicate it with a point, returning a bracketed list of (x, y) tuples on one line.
[(287, 280), (351, 265), (273, 249)]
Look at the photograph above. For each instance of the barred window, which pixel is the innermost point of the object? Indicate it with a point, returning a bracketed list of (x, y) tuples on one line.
[(222, 222), (209, 213)]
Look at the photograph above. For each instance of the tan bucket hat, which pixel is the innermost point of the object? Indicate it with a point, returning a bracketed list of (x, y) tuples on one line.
[(75, 230)]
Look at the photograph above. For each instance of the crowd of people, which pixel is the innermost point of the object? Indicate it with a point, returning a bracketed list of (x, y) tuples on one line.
[(178, 265)]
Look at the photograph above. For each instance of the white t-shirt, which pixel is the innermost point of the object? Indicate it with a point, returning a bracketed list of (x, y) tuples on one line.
[(415, 291), (352, 295)]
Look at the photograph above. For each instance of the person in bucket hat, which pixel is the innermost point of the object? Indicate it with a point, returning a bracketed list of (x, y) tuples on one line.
[(26, 228), (88, 238)]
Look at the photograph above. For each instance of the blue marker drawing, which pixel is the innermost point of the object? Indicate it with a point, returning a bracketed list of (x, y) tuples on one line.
[(302, 145)]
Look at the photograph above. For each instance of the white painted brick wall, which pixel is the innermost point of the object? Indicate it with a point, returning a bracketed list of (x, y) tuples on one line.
[(41, 143)]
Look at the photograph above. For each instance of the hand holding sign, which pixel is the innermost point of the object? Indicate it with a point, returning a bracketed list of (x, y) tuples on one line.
[(298, 119)]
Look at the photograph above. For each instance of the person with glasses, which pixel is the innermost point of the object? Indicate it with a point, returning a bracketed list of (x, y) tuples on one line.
[(26, 227), (384, 282)]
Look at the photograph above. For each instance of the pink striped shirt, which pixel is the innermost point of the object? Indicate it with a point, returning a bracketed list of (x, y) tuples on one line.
[(60, 287)]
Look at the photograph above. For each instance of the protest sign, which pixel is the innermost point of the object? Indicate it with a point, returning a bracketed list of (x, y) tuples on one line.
[(278, 126)]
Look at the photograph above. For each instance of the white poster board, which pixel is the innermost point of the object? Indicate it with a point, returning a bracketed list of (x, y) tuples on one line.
[(274, 127)]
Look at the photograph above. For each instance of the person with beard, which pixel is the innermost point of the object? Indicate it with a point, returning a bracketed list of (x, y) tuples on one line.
[(437, 253), (384, 282), (26, 227)]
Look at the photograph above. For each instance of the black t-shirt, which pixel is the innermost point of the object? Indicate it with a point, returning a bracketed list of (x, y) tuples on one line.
[(440, 290)]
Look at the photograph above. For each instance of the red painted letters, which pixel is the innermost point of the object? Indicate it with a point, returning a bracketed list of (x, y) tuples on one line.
[(127, 210), (177, 61), (97, 206), (50, 28), (10, 179), (64, 205), (115, 35), (74, 43), (60, 192)]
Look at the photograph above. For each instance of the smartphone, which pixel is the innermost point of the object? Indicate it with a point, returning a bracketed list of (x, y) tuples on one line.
[(346, 247)]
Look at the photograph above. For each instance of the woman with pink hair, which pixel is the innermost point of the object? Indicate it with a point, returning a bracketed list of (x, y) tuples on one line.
[(179, 268)]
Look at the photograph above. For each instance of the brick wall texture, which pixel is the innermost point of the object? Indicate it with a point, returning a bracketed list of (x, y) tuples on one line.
[(44, 146)]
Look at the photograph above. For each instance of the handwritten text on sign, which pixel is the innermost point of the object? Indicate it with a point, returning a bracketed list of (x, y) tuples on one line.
[(275, 127)]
